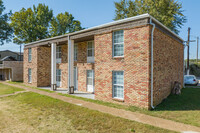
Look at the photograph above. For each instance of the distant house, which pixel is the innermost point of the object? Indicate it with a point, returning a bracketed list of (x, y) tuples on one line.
[(134, 61), (15, 55), (11, 66)]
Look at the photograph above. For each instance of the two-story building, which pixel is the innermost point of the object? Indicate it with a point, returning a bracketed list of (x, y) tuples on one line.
[(134, 61), (11, 66)]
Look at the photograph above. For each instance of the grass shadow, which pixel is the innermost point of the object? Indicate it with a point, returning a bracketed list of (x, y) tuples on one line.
[(188, 100)]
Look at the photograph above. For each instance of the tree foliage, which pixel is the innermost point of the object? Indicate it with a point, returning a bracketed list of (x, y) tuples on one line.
[(31, 24), (168, 12), (64, 23), (6, 32), (37, 23)]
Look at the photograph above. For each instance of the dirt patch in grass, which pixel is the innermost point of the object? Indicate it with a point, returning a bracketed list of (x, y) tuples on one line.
[(31, 112), (5, 89)]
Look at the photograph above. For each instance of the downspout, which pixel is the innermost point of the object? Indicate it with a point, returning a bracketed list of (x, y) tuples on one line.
[(152, 62), (69, 60)]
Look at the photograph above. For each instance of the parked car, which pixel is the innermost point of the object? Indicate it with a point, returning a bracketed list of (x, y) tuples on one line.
[(190, 80)]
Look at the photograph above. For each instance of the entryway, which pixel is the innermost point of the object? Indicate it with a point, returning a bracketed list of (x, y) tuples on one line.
[(90, 81), (75, 79), (58, 78)]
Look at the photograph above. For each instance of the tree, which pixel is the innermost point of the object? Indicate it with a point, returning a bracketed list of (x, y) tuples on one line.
[(31, 24), (6, 32), (168, 12), (64, 23)]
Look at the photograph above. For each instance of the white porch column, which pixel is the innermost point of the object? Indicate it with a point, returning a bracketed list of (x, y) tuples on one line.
[(53, 66), (70, 66)]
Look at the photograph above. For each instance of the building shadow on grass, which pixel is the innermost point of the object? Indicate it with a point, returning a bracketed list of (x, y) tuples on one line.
[(188, 100)]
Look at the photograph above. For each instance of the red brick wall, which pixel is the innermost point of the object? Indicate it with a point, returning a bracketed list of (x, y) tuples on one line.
[(82, 66), (64, 66), (43, 66), (168, 65), (32, 65), (135, 65)]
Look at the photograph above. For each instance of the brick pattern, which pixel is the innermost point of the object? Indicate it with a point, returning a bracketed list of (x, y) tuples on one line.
[(135, 65), (43, 66), (82, 66), (64, 66), (168, 65), (32, 65)]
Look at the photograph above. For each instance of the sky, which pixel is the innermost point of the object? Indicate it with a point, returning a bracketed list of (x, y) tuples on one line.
[(96, 12)]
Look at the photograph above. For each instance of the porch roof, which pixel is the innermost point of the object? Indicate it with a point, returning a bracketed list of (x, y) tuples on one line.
[(116, 25)]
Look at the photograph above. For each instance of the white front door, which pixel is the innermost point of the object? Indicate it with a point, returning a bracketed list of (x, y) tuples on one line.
[(58, 78), (90, 80), (75, 78)]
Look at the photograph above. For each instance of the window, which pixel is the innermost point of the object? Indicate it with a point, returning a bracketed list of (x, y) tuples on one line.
[(118, 43), (29, 75), (90, 51), (58, 54), (58, 75), (75, 52), (118, 84), (29, 55)]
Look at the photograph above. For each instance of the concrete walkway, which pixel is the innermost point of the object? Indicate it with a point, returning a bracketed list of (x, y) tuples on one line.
[(142, 118), (76, 93)]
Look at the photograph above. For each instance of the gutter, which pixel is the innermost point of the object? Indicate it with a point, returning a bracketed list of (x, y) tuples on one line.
[(152, 62)]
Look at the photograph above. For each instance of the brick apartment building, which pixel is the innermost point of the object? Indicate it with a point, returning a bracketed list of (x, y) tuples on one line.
[(134, 61)]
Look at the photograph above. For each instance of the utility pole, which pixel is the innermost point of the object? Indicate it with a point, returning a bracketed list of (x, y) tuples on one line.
[(188, 52), (197, 48)]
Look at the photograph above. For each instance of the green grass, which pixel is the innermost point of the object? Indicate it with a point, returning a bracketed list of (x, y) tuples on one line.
[(22, 84), (32, 112), (5, 89), (184, 108)]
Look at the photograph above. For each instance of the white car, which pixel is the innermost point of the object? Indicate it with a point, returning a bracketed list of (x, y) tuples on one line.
[(190, 80)]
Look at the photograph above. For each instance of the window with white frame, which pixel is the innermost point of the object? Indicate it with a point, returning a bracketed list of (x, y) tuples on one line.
[(90, 51), (75, 52), (118, 43), (118, 84), (58, 54), (29, 55), (58, 75), (29, 75)]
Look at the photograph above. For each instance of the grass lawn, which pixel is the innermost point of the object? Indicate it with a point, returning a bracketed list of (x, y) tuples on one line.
[(31, 112), (5, 89), (184, 108)]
